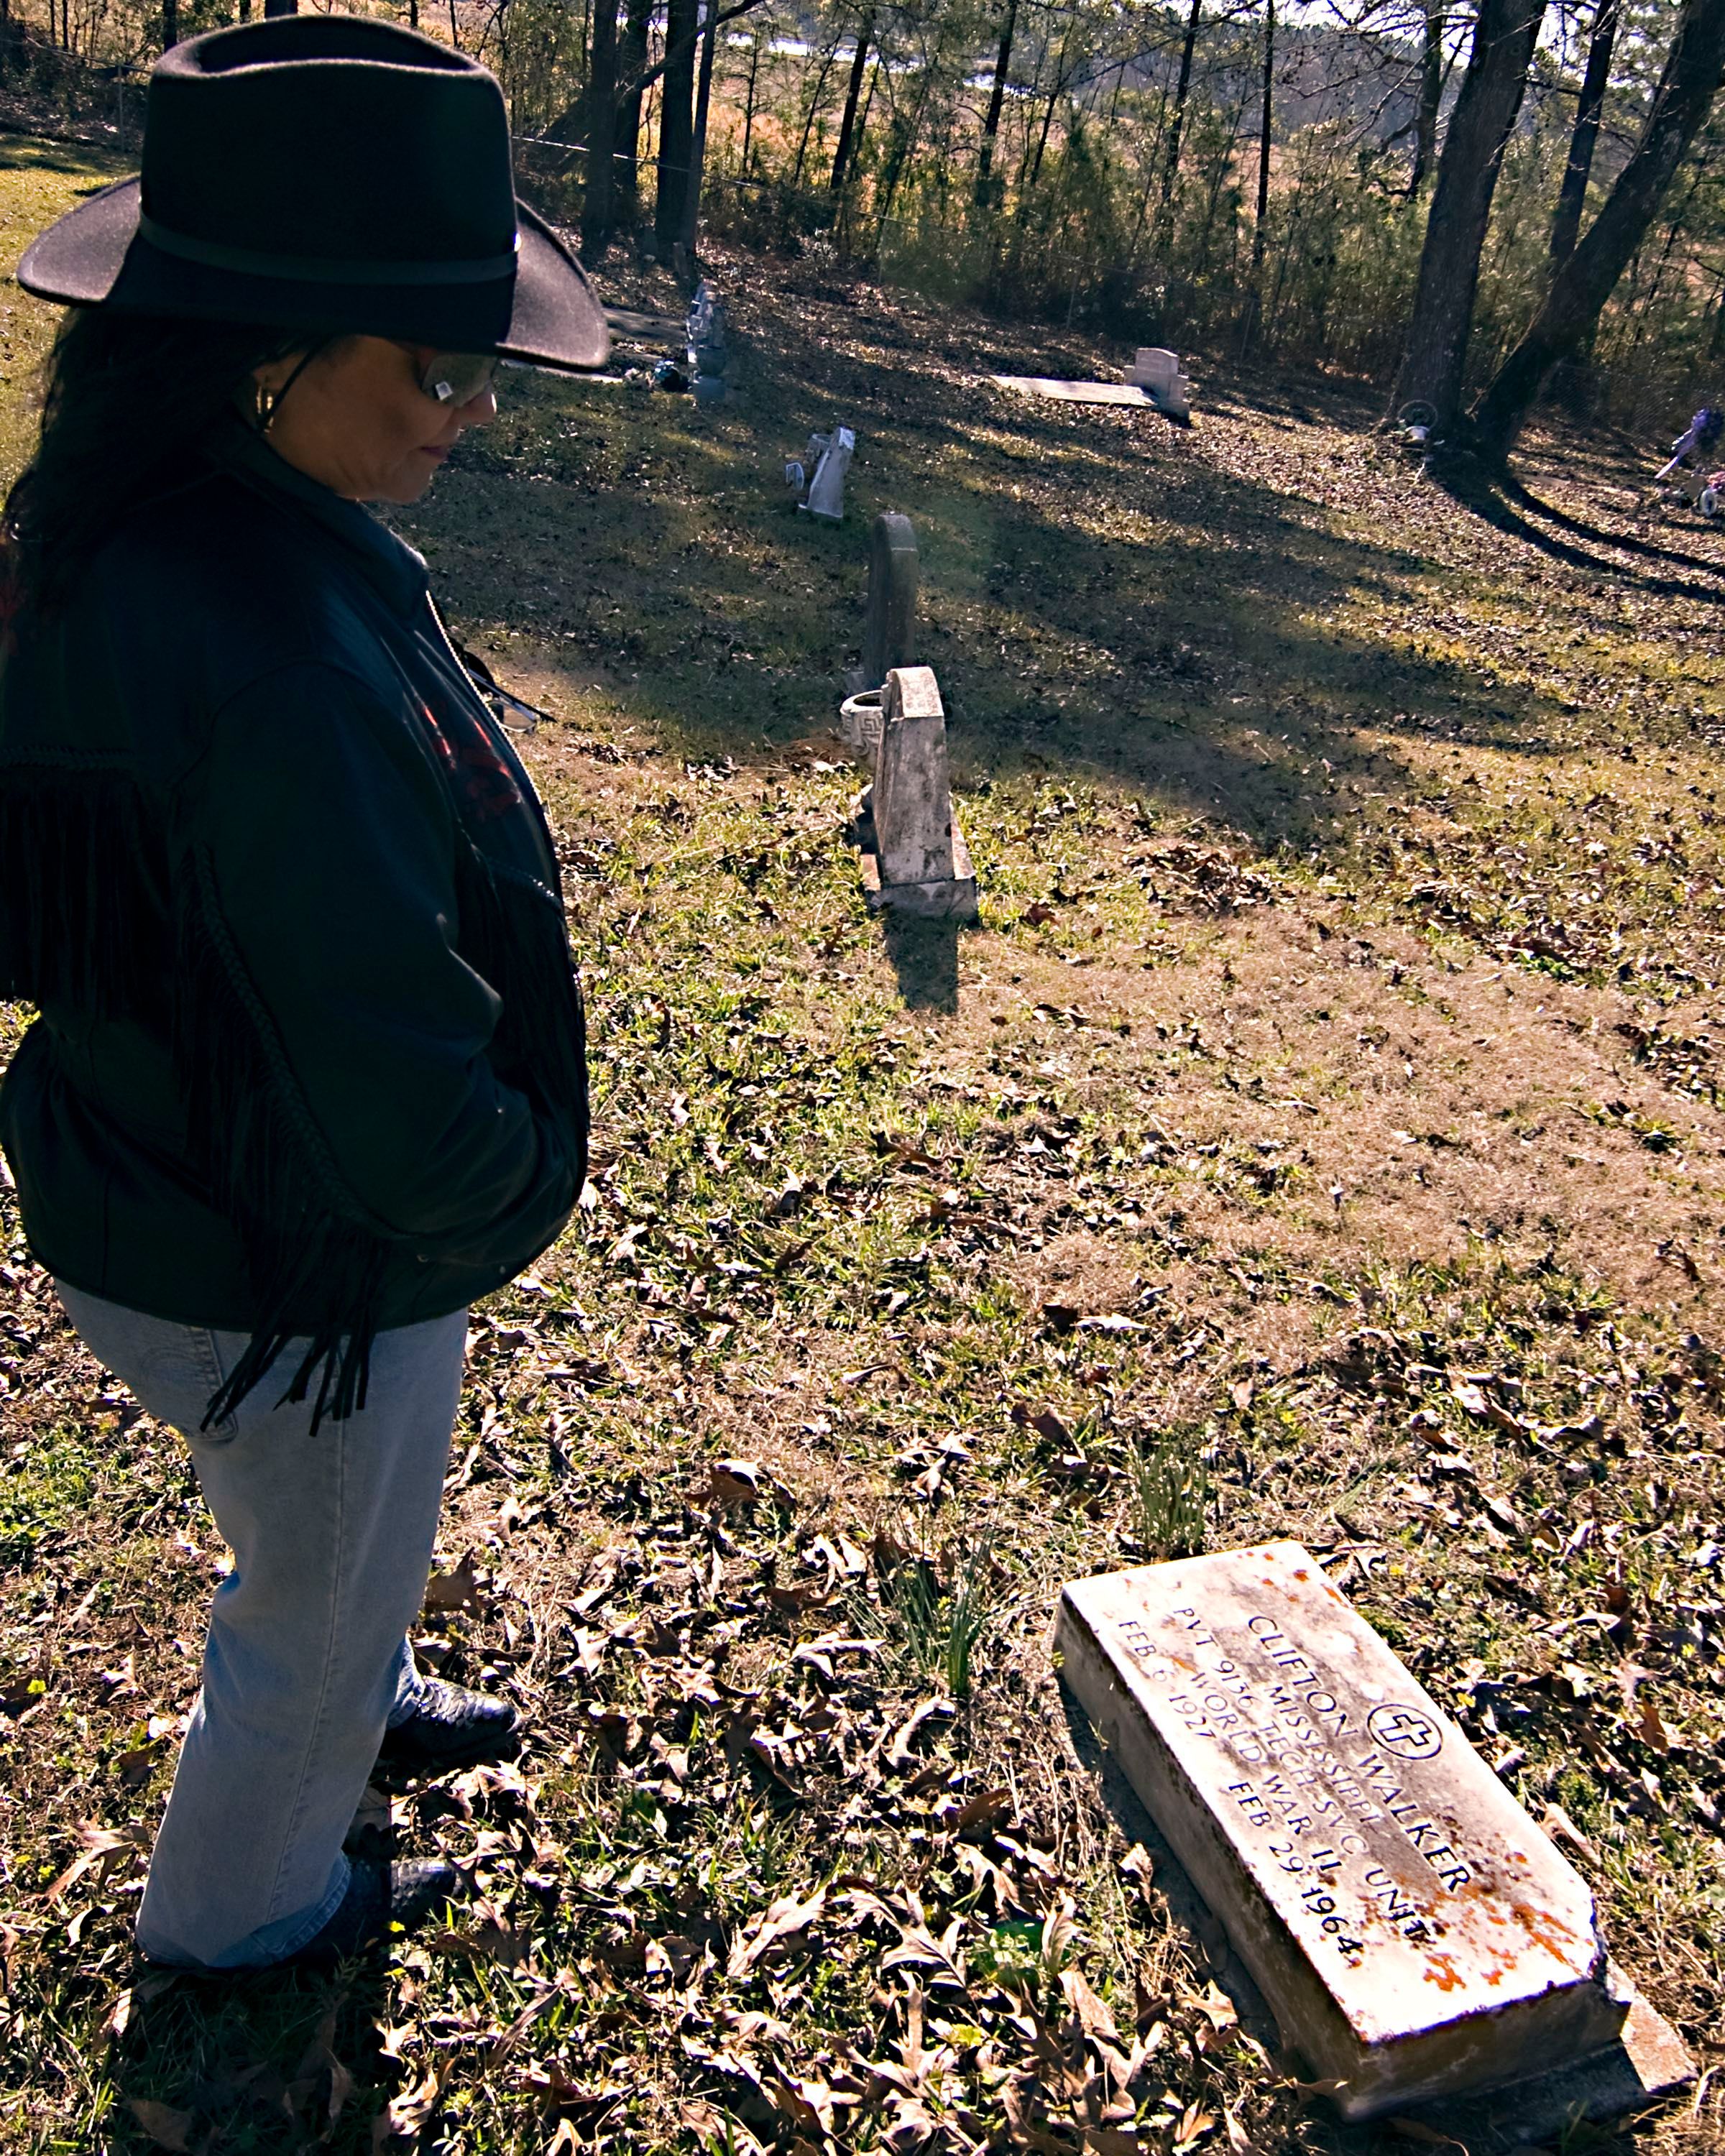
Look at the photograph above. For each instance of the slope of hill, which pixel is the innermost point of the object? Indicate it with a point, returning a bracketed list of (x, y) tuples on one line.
[(1320, 1135)]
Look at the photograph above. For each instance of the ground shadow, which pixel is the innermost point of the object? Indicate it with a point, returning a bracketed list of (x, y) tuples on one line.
[(1186, 1904), (262, 2060), (924, 956), (1502, 501)]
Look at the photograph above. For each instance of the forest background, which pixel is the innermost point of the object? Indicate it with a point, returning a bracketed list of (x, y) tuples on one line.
[(1386, 188)]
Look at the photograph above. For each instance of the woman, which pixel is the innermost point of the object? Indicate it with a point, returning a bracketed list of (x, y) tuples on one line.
[(309, 1072)]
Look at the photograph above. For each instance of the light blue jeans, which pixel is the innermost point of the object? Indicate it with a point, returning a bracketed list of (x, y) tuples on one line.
[(307, 1661)]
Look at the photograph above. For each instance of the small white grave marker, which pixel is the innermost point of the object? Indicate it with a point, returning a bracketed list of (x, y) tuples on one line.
[(1414, 1932), (1157, 372)]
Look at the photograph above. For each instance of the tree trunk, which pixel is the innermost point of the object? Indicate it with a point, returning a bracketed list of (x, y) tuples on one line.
[(170, 24), (1171, 163), (853, 98), (697, 153), (749, 105), (1254, 279), (626, 128), (1572, 196), (1263, 209), (986, 190), (1694, 68), (1504, 36), (1431, 99), (809, 117), (281, 6), (676, 124), (596, 211)]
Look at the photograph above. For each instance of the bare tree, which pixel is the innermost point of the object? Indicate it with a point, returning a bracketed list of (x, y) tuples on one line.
[(676, 123), (1694, 68), (596, 216), (1504, 35), (1171, 162), (1432, 96), (987, 191), (852, 97), (1572, 196), (697, 147), (626, 128)]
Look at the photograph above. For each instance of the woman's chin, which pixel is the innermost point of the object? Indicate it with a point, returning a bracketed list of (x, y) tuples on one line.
[(401, 489)]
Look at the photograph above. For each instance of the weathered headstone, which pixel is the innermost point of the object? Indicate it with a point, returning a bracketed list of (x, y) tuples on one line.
[(829, 459), (914, 859), (1414, 1932), (705, 345), (1157, 372), (890, 621)]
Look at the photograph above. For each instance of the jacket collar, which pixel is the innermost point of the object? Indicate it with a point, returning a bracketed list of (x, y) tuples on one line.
[(397, 573)]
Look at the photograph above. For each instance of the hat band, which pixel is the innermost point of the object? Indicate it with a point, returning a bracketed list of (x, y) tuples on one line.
[(315, 269)]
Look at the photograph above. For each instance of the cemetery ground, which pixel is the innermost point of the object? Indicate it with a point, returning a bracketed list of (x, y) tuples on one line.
[(1320, 1135)]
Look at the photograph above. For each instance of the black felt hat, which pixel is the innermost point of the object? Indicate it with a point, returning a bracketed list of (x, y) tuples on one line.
[(329, 173)]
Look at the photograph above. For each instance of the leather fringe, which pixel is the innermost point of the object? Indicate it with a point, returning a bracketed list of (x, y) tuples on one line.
[(82, 892), (90, 917), (318, 1266), (513, 934)]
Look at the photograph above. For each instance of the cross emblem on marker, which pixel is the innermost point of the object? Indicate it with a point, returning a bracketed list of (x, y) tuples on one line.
[(1407, 1732)]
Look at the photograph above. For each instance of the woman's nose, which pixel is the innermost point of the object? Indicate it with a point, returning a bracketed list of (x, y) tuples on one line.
[(479, 411)]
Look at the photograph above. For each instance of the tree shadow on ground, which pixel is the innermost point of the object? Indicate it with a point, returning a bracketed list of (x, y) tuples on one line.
[(1511, 507), (1200, 620), (1098, 604), (1623, 543)]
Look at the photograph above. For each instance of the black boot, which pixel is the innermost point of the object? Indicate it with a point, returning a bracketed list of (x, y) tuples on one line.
[(452, 1728), (378, 1897)]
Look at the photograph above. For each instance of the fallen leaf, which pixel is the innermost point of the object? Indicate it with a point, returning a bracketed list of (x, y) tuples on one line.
[(1651, 1727), (458, 1589), (167, 2128), (898, 1752), (730, 1483), (1093, 2015), (783, 1920)]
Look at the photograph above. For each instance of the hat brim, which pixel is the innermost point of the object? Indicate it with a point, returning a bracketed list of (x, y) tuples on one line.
[(546, 313)]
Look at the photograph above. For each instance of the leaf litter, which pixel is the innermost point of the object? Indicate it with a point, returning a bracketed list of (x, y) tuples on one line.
[(874, 1323)]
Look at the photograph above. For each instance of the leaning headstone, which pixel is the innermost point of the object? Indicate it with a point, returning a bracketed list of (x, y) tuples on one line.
[(914, 859), (890, 621), (1415, 1934), (829, 459)]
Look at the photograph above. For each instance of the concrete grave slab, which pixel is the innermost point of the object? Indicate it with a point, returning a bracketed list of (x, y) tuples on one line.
[(1415, 1934), (1076, 393)]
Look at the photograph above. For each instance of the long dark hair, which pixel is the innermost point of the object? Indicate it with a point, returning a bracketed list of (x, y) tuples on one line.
[(128, 400)]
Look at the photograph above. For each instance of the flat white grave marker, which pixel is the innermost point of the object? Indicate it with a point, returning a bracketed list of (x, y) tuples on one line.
[(1414, 1932)]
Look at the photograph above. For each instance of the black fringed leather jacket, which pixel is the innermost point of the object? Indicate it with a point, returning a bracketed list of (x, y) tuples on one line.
[(310, 1061)]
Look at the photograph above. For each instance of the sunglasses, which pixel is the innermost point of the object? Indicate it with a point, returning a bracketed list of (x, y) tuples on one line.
[(457, 377)]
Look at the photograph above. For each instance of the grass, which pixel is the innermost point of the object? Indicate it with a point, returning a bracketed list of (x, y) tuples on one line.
[(1319, 1135)]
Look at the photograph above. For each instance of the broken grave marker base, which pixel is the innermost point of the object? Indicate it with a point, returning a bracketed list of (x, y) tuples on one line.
[(1414, 1932)]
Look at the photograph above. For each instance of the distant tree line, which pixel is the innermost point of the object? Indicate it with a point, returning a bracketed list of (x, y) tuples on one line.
[(1478, 202)]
